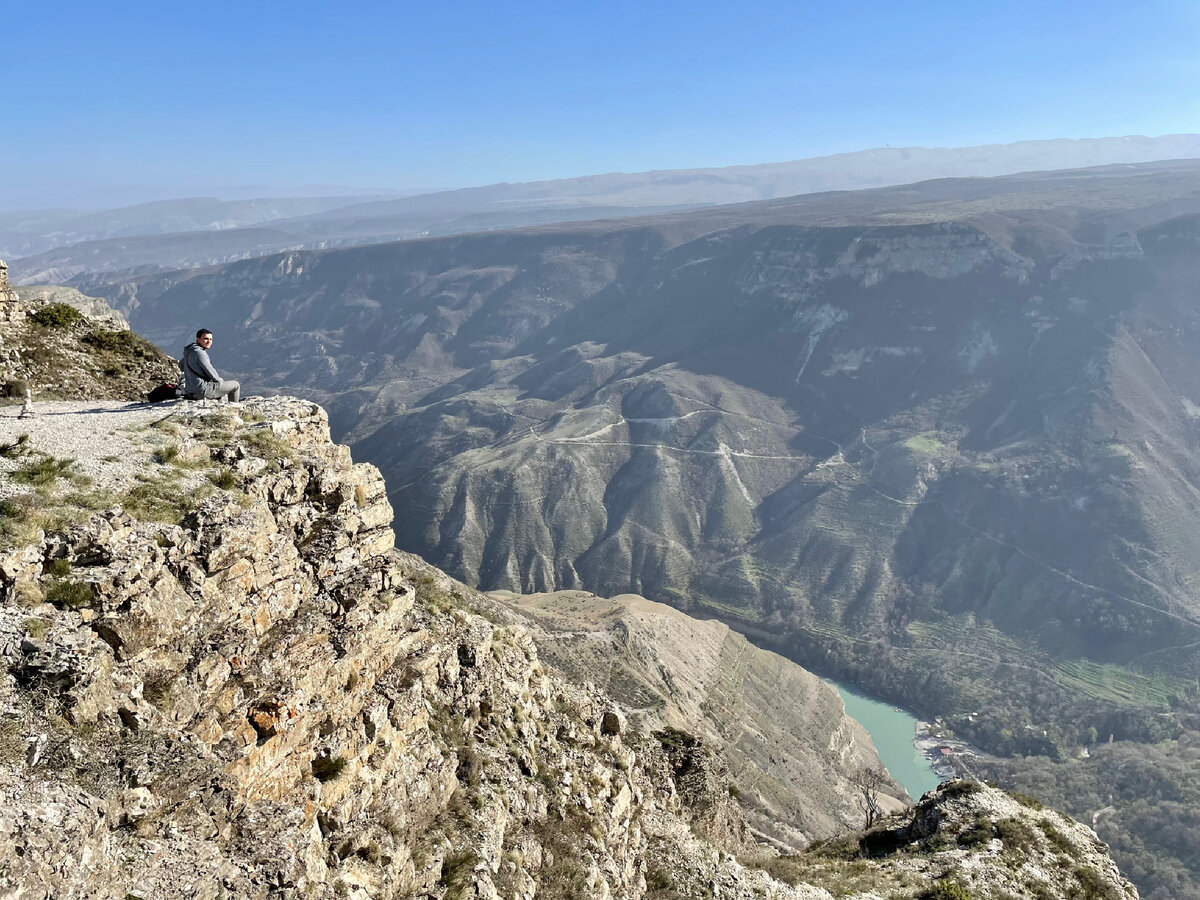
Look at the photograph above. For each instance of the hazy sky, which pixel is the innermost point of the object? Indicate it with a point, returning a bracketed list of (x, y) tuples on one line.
[(201, 98)]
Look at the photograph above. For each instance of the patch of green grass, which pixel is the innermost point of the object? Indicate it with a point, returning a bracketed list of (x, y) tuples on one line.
[(434, 598), (945, 889), (123, 343), (12, 740), (167, 454), (658, 880), (1057, 839), (925, 444), (37, 628), (56, 315), (1114, 683), (224, 479), (1094, 886), (1027, 800), (21, 518), (842, 877), (157, 687), (163, 500), (69, 594), (456, 872), (14, 509), (1016, 836), (267, 444), (43, 472), (744, 613), (90, 500), (981, 832), (59, 568), (961, 787)]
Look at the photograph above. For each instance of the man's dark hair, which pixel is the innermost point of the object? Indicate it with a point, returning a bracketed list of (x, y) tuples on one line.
[(202, 332)]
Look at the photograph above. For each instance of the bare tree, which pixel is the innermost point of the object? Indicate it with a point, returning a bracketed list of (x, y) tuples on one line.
[(869, 782)]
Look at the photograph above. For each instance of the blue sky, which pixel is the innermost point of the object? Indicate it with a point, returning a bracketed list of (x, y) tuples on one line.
[(200, 98)]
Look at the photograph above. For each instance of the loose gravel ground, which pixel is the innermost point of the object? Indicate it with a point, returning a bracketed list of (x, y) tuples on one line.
[(101, 436)]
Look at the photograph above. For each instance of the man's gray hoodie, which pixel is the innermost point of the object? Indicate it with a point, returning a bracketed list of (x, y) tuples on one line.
[(198, 372)]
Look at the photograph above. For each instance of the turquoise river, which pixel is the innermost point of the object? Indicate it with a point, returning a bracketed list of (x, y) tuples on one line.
[(892, 730)]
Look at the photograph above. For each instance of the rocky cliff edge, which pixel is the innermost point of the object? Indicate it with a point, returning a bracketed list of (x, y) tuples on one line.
[(224, 682)]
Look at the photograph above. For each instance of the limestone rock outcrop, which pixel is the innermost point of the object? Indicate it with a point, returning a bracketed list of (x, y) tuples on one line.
[(260, 699), (244, 691)]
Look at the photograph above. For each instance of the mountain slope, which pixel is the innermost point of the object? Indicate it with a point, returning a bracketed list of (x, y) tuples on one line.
[(669, 670), (835, 430), (219, 679)]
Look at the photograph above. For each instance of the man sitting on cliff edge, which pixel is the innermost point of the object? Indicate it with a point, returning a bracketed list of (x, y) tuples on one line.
[(200, 379)]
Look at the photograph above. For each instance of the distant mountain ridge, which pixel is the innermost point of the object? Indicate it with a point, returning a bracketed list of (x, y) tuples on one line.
[(49, 241), (37, 231), (878, 167)]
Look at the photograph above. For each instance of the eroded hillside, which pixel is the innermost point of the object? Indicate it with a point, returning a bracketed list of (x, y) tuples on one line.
[(792, 752)]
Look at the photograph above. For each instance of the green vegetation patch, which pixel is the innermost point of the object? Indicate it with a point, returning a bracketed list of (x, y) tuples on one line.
[(224, 478), (841, 876), (44, 471), (266, 444), (456, 872), (946, 889), (56, 315), (1057, 839), (18, 448), (925, 444), (91, 499), (69, 594), (963, 787), (1115, 684), (1016, 836), (163, 499), (36, 628), (22, 517), (123, 343), (980, 832), (327, 768), (167, 454)]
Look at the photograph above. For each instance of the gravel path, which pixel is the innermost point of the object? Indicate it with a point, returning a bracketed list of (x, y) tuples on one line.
[(101, 436)]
